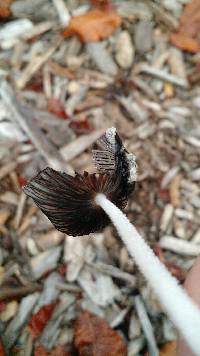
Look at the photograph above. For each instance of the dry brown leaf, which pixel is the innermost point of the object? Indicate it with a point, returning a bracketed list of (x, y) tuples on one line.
[(187, 36), (5, 10), (169, 349), (94, 25), (94, 337)]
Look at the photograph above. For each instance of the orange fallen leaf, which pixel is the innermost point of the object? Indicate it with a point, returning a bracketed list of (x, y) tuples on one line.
[(94, 336), (186, 43), (94, 25), (190, 18), (40, 319), (187, 36), (169, 349), (5, 10)]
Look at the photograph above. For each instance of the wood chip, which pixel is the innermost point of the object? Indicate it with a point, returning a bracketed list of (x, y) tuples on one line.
[(100, 288), (195, 174), (25, 309), (179, 246), (26, 219), (174, 191), (196, 238), (176, 63), (49, 239), (62, 11), (9, 312), (184, 214), (124, 50), (146, 326), (35, 64), (166, 217), (114, 272), (143, 36), (102, 58), (19, 212), (45, 261), (33, 131), (7, 169), (4, 215), (160, 74), (9, 198), (79, 145)]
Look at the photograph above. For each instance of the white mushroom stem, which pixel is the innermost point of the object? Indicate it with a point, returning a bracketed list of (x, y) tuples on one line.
[(181, 309)]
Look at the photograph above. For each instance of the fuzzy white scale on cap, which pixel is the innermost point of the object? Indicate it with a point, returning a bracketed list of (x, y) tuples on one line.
[(132, 167), (110, 135), (131, 159)]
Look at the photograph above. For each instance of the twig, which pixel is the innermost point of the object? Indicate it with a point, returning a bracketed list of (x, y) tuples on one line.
[(27, 219), (46, 149), (146, 326), (179, 246), (160, 74), (35, 64), (62, 11), (19, 212), (18, 291), (113, 271), (163, 15), (79, 145), (38, 29)]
